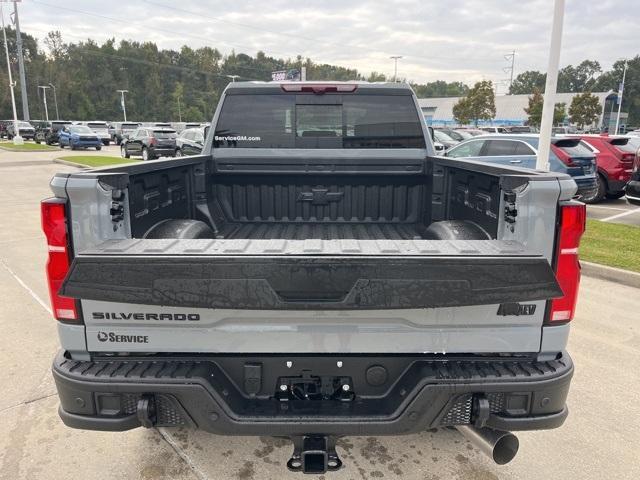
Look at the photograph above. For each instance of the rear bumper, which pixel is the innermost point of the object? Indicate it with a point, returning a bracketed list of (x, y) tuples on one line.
[(632, 190), (587, 186), (238, 395), (164, 151)]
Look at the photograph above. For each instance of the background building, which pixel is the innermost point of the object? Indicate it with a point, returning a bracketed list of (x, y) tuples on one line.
[(510, 109)]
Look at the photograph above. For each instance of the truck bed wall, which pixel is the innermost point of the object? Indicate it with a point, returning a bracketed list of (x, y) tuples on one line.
[(224, 200)]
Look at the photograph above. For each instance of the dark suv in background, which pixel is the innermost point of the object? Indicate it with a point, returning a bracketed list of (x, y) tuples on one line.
[(190, 141), (122, 130), (150, 143), (48, 132)]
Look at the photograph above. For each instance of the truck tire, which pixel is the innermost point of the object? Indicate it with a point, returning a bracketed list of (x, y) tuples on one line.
[(180, 229), (145, 154), (123, 151), (178, 152), (98, 148), (62, 146)]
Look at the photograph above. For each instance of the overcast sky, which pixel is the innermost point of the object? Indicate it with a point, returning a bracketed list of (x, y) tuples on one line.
[(450, 40)]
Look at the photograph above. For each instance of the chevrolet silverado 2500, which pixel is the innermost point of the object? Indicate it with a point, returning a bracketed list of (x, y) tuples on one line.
[(316, 272)]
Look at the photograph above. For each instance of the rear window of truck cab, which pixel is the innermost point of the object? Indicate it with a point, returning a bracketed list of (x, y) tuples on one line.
[(318, 121)]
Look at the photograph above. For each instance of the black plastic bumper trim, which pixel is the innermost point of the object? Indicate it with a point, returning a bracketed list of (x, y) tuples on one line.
[(418, 399)]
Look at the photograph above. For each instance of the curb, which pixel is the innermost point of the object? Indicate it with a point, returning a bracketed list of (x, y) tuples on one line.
[(69, 164), (611, 274), (17, 150)]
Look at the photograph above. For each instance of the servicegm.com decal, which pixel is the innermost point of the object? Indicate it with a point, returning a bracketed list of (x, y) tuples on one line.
[(115, 338)]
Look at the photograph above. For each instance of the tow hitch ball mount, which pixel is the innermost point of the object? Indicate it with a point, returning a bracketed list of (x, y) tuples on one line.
[(314, 454)]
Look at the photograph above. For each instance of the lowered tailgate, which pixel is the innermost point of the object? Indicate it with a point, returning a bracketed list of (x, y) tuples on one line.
[(312, 295)]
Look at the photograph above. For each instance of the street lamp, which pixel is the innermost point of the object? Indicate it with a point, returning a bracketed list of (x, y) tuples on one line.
[(620, 93), (232, 77), (395, 66), (44, 92), (17, 139), (55, 100), (124, 109)]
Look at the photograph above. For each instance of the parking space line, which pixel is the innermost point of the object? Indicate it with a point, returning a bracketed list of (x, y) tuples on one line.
[(26, 287), (182, 454), (623, 214), (608, 208)]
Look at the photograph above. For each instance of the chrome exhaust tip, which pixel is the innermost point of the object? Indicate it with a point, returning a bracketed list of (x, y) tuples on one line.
[(500, 446)]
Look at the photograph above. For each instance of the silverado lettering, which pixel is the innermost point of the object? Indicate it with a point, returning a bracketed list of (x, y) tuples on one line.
[(193, 317)]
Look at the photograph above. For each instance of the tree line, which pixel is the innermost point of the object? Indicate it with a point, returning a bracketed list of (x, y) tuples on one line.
[(588, 76), (480, 104), (163, 85), (169, 85)]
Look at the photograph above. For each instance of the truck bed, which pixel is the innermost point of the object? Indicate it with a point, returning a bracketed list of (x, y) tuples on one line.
[(302, 231)]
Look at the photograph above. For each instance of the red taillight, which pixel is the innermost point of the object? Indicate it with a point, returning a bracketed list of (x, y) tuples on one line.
[(319, 88), (54, 226), (628, 157), (572, 225), (153, 141), (563, 156)]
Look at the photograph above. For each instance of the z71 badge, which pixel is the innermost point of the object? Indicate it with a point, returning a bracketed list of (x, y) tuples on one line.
[(516, 309)]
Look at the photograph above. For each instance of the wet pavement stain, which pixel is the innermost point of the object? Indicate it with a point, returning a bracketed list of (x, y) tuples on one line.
[(247, 471), (375, 452)]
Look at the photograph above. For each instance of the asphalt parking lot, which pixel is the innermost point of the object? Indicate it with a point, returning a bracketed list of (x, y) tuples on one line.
[(615, 211), (599, 440)]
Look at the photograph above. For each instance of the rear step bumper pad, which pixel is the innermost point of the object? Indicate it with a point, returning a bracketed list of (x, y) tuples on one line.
[(114, 394), (310, 283)]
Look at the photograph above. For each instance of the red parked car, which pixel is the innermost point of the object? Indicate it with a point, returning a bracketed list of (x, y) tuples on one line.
[(614, 157)]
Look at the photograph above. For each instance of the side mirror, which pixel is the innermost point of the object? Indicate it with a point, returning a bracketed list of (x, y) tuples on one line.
[(433, 135)]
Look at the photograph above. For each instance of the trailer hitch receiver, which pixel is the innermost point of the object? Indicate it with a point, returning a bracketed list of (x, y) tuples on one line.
[(314, 454)]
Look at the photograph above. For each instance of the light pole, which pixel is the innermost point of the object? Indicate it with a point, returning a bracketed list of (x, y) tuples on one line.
[(44, 92), (55, 100), (124, 109), (23, 80), (395, 66), (624, 76), (17, 139), (232, 77), (548, 106)]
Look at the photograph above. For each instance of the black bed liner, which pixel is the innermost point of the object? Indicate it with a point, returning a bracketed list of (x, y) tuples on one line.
[(323, 231)]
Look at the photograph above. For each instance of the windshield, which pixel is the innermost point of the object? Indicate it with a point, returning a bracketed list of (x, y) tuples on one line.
[(442, 137), (464, 134), (164, 133), (98, 126), (79, 129), (310, 121), (129, 126), (24, 125), (574, 147)]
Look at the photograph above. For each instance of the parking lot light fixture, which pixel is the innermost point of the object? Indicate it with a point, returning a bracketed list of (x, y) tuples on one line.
[(395, 66), (44, 91), (124, 108), (55, 100), (548, 107), (17, 139), (232, 77)]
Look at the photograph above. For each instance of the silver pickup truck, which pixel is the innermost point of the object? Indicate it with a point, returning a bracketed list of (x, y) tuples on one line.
[(317, 272)]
